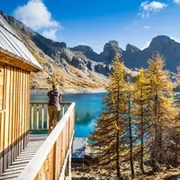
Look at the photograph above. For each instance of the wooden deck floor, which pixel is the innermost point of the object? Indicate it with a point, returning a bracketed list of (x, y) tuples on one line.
[(35, 141)]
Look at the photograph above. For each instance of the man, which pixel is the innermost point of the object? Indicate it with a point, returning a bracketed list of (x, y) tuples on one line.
[(54, 98)]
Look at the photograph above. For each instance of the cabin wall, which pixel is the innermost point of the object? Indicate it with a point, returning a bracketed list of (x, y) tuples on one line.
[(14, 112)]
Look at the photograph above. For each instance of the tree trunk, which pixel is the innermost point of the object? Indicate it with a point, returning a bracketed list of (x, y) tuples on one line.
[(117, 159), (117, 138), (142, 142), (131, 140)]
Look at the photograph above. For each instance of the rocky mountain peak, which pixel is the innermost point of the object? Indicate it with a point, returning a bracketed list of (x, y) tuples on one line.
[(112, 44), (110, 50), (87, 51), (163, 43), (83, 57), (82, 48), (131, 48)]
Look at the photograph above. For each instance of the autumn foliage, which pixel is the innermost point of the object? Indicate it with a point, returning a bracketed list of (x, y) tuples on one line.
[(139, 127)]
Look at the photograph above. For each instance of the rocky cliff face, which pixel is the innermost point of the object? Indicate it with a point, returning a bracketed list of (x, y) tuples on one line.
[(109, 51), (133, 57), (87, 51), (72, 70), (167, 47), (80, 57), (72, 66), (132, 49)]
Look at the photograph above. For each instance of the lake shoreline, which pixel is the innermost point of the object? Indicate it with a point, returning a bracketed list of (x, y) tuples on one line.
[(70, 91), (87, 108)]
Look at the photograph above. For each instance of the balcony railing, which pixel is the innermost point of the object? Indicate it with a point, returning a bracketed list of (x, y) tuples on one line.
[(39, 120), (53, 160)]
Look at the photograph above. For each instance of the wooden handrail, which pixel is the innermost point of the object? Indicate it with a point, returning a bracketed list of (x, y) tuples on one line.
[(53, 152), (3, 110), (39, 120), (39, 102)]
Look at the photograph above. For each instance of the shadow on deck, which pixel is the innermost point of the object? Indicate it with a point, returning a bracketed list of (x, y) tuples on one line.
[(45, 156), (14, 170)]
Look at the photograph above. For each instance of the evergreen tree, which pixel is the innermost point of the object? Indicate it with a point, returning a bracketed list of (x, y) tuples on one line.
[(173, 135), (161, 108), (108, 134), (129, 128), (141, 112)]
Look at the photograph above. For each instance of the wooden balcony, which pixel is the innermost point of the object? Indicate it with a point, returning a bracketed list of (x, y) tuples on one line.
[(46, 156)]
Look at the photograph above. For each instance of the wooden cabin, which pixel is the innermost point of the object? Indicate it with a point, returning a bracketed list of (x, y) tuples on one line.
[(16, 115), (16, 63)]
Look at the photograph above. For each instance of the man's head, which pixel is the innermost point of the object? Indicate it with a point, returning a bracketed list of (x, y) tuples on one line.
[(54, 86)]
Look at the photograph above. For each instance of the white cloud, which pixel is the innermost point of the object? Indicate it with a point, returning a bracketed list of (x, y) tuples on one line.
[(147, 27), (177, 1), (148, 7), (35, 15), (50, 33)]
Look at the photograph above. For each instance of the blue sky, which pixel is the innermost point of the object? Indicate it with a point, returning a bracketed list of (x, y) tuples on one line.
[(95, 22)]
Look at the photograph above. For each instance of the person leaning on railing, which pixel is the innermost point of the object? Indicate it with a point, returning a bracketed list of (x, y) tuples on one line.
[(54, 99)]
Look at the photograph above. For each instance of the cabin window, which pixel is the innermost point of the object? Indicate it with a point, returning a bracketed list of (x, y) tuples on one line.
[(1, 86)]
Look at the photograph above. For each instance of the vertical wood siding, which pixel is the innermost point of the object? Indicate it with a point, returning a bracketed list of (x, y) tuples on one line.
[(1, 86), (14, 114)]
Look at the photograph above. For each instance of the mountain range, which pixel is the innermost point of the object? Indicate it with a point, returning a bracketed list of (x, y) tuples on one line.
[(134, 57), (81, 68)]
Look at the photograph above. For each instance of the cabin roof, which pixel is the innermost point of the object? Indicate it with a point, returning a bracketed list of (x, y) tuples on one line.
[(12, 45)]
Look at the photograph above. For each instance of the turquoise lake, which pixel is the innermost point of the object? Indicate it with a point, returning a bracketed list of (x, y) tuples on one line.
[(88, 107)]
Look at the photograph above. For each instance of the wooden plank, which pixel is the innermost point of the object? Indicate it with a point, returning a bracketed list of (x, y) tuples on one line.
[(1, 140), (57, 157), (5, 86), (20, 109), (23, 107), (63, 110), (28, 102), (2, 119), (40, 102), (43, 116), (31, 117), (38, 160), (28, 98), (17, 111), (17, 119), (19, 164), (37, 116), (68, 156), (6, 122), (13, 112), (47, 116), (10, 119), (3, 116), (7, 108), (1, 80)]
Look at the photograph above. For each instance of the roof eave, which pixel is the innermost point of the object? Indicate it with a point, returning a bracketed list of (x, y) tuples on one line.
[(11, 59)]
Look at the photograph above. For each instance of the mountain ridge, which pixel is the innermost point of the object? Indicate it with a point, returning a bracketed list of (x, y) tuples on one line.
[(132, 56), (82, 68), (56, 60)]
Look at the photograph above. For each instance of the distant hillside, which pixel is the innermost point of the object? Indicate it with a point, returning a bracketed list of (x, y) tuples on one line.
[(81, 68), (167, 47), (73, 71), (134, 57)]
